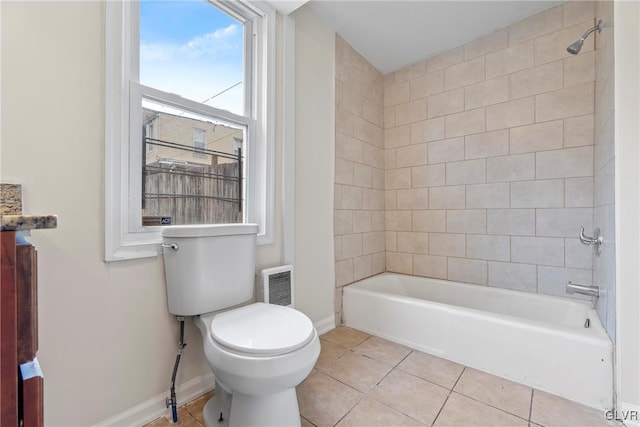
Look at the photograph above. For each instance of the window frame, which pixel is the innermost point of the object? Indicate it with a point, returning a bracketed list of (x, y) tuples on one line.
[(124, 240)]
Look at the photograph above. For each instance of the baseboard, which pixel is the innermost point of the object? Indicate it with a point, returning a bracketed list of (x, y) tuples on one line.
[(628, 414), (155, 407), (325, 325)]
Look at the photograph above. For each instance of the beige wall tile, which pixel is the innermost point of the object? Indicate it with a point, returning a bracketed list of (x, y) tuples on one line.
[(413, 198), (391, 240), (411, 72), (509, 275), (361, 221), (361, 267), (397, 94), (428, 176), (337, 247), (373, 242), (536, 25), (362, 175), (337, 196), (447, 197), (537, 250), (373, 112), (352, 245), (397, 178), (466, 172), (578, 192), (486, 144), (537, 194), (412, 155), (566, 163), (447, 150), (373, 156), (411, 112), (495, 248), (481, 196), (514, 222), (574, 101), (580, 69), (370, 133), (372, 199), (344, 272), (487, 44), (510, 60), (427, 130), (390, 199), (536, 137), (397, 220), (389, 117), (377, 220), (464, 74), (577, 255), (540, 79), (518, 167), (431, 220), (576, 11), (345, 121), (563, 222), (466, 123), (415, 243), (467, 270), (447, 244), (485, 93), (445, 103), (398, 262), (390, 158), (430, 266), (352, 149), (378, 263), (578, 131), (397, 136), (510, 114), (344, 172), (552, 47), (467, 221), (342, 222), (351, 197), (426, 85), (445, 59)]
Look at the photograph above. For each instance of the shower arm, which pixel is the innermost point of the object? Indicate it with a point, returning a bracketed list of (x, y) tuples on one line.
[(597, 27)]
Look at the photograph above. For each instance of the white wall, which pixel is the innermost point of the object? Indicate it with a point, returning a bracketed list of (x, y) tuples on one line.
[(107, 342), (315, 46), (627, 131)]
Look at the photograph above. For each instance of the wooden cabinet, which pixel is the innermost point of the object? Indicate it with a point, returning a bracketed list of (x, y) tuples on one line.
[(21, 400)]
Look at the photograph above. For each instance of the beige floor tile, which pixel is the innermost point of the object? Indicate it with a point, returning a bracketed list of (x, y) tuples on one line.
[(432, 368), (195, 406), (383, 350), (345, 337), (462, 411), (184, 419), (328, 353), (324, 401), (305, 423), (370, 413), (358, 371), (411, 395), (503, 394), (551, 411)]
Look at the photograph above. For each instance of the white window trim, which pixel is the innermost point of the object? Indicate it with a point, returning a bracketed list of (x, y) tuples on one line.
[(121, 241)]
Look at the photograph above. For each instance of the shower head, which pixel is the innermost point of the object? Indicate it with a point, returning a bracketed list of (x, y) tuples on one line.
[(575, 47)]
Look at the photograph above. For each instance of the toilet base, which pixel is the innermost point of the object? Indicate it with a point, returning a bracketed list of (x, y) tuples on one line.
[(280, 409)]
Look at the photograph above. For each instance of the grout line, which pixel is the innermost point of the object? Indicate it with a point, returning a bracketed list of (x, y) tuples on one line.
[(531, 405)]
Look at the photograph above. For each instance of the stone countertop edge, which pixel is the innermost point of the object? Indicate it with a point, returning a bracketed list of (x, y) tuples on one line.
[(27, 222)]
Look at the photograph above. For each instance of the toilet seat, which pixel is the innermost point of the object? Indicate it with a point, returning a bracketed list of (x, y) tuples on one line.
[(262, 329)]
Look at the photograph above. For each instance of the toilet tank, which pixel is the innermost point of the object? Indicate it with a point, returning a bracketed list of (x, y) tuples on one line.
[(208, 267)]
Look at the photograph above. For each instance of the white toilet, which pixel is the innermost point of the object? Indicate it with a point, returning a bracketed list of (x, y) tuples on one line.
[(258, 352)]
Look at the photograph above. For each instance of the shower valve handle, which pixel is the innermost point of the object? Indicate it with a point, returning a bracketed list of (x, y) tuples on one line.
[(596, 240)]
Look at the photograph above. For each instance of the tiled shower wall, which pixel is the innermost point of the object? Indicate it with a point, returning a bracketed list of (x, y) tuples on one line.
[(489, 157), (604, 273), (359, 170)]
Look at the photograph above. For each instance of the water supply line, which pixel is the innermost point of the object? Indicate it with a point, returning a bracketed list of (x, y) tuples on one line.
[(172, 401)]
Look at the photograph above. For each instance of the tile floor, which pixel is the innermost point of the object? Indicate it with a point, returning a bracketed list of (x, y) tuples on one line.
[(363, 380)]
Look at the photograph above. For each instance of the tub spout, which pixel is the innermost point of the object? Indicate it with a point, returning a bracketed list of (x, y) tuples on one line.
[(575, 288)]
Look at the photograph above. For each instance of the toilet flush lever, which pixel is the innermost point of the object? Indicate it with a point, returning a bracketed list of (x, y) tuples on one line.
[(173, 246), (596, 240)]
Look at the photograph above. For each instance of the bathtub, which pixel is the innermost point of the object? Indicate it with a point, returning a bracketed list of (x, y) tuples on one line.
[(537, 340)]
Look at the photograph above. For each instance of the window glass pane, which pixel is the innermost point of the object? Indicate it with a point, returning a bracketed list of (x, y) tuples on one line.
[(192, 49), (193, 167)]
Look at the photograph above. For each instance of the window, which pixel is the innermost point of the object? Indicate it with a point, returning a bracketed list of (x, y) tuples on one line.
[(189, 119)]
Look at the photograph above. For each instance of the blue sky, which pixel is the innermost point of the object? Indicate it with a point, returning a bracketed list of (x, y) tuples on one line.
[(193, 49)]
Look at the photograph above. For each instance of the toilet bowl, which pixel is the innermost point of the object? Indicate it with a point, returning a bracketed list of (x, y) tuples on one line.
[(258, 354)]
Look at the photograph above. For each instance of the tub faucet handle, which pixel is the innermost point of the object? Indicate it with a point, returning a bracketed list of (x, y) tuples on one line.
[(596, 240)]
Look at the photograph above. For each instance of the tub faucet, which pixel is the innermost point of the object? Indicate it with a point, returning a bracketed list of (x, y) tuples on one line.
[(575, 288)]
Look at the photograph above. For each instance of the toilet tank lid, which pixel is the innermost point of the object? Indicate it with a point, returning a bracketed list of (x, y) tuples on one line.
[(205, 230)]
